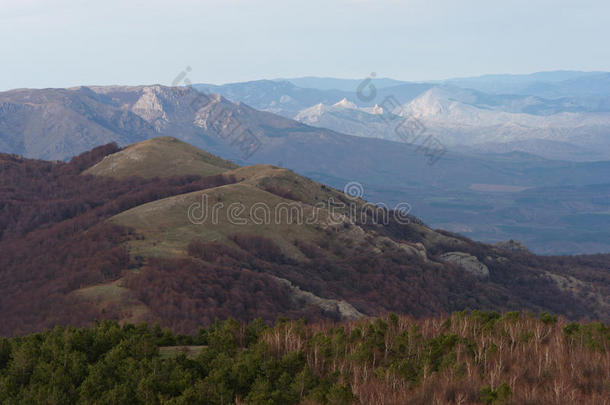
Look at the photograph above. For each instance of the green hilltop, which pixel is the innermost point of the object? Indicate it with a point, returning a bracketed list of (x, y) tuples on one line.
[(160, 157)]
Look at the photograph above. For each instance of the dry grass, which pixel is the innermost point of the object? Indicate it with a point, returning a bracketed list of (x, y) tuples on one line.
[(114, 299), (167, 229), (160, 157)]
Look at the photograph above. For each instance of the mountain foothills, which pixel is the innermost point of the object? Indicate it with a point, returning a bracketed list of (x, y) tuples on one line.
[(183, 237), (499, 195)]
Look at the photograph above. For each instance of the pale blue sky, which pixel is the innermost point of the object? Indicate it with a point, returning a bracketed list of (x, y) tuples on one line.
[(59, 43)]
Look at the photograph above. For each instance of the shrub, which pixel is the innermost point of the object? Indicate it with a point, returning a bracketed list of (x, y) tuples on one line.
[(499, 395), (259, 246), (211, 251)]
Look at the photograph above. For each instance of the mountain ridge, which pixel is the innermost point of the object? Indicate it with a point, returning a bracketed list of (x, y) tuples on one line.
[(147, 259), (390, 172)]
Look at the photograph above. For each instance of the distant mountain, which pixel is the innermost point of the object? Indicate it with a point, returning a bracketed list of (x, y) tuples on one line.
[(247, 242), (346, 117), (459, 120), (60, 123), (503, 83), (467, 118), (348, 85), (279, 97), (556, 84), (288, 99), (516, 103), (570, 110)]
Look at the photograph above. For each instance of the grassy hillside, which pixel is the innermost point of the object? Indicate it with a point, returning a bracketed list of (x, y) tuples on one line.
[(319, 257), (167, 230), (261, 190), (137, 248), (160, 157)]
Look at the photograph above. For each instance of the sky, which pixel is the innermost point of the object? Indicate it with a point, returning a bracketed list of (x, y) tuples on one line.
[(62, 43)]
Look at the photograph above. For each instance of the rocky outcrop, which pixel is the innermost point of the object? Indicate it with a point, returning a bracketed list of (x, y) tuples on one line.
[(343, 308), (466, 261)]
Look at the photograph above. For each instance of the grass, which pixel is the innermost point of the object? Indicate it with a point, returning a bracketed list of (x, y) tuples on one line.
[(115, 298), (160, 157), (167, 230), (164, 223)]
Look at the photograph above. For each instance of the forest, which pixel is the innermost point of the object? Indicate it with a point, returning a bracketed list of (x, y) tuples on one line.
[(55, 240), (53, 237), (218, 280), (465, 358)]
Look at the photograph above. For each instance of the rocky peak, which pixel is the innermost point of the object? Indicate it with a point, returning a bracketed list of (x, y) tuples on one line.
[(345, 103)]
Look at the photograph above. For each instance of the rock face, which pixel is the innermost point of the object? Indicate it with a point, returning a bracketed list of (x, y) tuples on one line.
[(342, 308), (346, 117), (468, 262)]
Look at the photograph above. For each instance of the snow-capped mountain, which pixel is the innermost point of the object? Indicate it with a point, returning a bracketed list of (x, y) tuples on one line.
[(370, 122), (468, 118)]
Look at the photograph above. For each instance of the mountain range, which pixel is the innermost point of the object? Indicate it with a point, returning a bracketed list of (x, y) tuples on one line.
[(161, 231), (558, 115), (552, 206), (59, 123)]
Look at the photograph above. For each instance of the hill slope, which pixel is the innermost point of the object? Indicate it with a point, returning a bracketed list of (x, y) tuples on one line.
[(162, 156), (273, 243)]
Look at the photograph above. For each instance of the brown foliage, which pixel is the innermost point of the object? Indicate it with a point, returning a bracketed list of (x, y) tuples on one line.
[(261, 247), (52, 235), (185, 294), (212, 251), (53, 240), (536, 360)]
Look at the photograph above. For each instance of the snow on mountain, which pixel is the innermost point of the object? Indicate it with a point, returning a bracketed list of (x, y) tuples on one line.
[(462, 118), (467, 117), (345, 103)]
